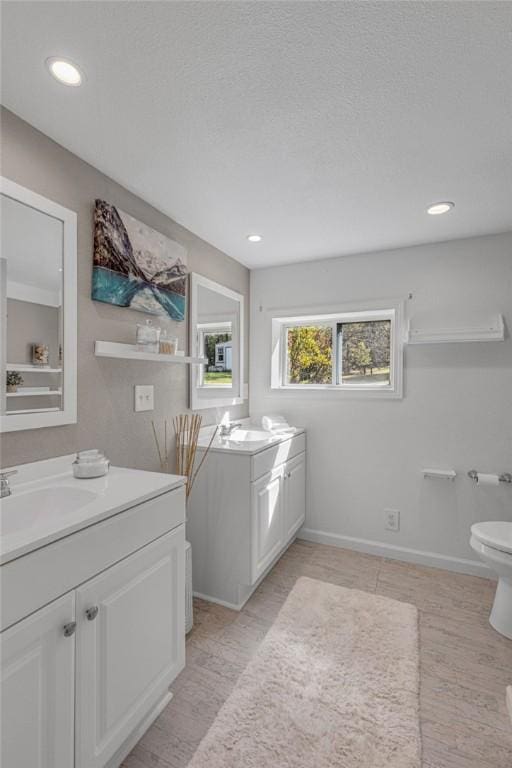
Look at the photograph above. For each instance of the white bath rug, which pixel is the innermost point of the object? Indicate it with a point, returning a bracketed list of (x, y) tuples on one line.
[(335, 684)]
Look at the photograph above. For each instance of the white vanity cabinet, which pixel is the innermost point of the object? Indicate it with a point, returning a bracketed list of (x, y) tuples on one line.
[(37, 696), (267, 529), (129, 646), (294, 512), (85, 675), (278, 509), (245, 510)]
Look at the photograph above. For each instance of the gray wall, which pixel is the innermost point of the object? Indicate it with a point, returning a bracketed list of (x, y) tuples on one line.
[(106, 418)]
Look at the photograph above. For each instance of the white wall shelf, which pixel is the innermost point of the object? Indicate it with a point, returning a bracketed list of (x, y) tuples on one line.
[(31, 410), (27, 368), (44, 393), (494, 331), (130, 352)]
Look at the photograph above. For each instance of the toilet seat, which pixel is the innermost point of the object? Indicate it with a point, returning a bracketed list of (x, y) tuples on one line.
[(494, 534)]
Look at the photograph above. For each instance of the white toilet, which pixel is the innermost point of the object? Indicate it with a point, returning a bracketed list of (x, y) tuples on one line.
[(493, 543)]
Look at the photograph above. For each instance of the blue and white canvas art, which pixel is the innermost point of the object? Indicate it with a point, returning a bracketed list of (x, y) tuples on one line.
[(135, 266)]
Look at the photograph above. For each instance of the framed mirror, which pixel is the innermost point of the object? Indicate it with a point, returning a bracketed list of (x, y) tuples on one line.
[(216, 333), (38, 298)]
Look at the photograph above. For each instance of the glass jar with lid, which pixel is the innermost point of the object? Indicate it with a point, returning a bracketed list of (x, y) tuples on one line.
[(148, 337), (168, 343)]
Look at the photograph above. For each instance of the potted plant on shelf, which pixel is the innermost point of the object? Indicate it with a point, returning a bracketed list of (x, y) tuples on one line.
[(14, 379)]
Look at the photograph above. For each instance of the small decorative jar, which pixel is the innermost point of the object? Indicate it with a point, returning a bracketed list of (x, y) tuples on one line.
[(40, 354), (89, 464), (148, 337), (168, 344)]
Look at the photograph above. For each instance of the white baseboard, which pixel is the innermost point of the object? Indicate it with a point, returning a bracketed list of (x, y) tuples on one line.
[(417, 556), (210, 599)]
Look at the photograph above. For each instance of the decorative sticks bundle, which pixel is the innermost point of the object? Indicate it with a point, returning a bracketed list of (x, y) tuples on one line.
[(186, 431)]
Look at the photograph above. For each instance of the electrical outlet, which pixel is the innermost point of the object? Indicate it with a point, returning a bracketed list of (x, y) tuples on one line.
[(391, 519), (145, 398)]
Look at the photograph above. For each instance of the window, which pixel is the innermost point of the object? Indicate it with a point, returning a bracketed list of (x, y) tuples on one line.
[(215, 341), (364, 352), (349, 351)]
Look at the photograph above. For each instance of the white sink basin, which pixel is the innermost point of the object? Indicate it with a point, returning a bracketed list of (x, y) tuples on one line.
[(48, 503), (249, 435), (28, 510)]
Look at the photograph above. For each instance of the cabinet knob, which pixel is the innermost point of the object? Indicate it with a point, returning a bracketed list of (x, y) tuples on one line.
[(69, 628), (91, 613)]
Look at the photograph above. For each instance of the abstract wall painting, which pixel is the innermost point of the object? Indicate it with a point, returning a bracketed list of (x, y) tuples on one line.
[(137, 267)]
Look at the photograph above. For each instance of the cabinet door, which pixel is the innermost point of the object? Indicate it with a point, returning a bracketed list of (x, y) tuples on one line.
[(37, 700), (130, 645), (267, 521), (294, 495)]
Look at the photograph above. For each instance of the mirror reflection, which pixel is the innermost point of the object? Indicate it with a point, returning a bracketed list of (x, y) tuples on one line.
[(216, 314), (31, 297)]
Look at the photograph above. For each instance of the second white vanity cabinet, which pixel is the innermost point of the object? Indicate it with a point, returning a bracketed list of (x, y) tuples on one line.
[(278, 509), (94, 626), (246, 508)]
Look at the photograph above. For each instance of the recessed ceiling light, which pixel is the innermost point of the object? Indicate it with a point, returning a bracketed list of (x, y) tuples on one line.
[(64, 71), (436, 209), (254, 238)]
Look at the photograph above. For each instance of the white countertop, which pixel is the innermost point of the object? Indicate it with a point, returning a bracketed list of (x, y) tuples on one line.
[(249, 448), (48, 503)]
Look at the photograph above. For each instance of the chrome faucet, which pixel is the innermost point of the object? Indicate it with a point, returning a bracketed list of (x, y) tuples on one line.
[(5, 489), (227, 429)]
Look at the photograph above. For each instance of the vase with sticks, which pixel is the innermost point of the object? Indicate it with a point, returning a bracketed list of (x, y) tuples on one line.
[(186, 435)]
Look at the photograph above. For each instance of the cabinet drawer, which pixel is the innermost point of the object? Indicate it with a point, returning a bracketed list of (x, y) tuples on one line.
[(266, 460), (74, 559)]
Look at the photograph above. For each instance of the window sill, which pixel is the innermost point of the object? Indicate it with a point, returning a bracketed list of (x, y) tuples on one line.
[(368, 392)]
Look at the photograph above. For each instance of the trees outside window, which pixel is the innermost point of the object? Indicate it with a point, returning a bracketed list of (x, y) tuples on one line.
[(366, 351), (310, 355)]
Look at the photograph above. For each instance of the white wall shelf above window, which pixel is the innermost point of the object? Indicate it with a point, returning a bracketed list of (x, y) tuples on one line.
[(131, 352), (492, 331)]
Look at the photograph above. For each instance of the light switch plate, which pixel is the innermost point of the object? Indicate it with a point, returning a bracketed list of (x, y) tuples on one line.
[(144, 397)]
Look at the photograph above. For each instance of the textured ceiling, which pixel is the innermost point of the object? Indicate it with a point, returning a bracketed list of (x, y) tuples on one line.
[(327, 127)]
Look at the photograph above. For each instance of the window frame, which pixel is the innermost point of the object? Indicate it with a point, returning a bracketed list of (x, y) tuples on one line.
[(362, 312)]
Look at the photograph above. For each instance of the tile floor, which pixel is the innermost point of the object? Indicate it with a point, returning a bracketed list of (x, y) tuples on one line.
[(465, 664)]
